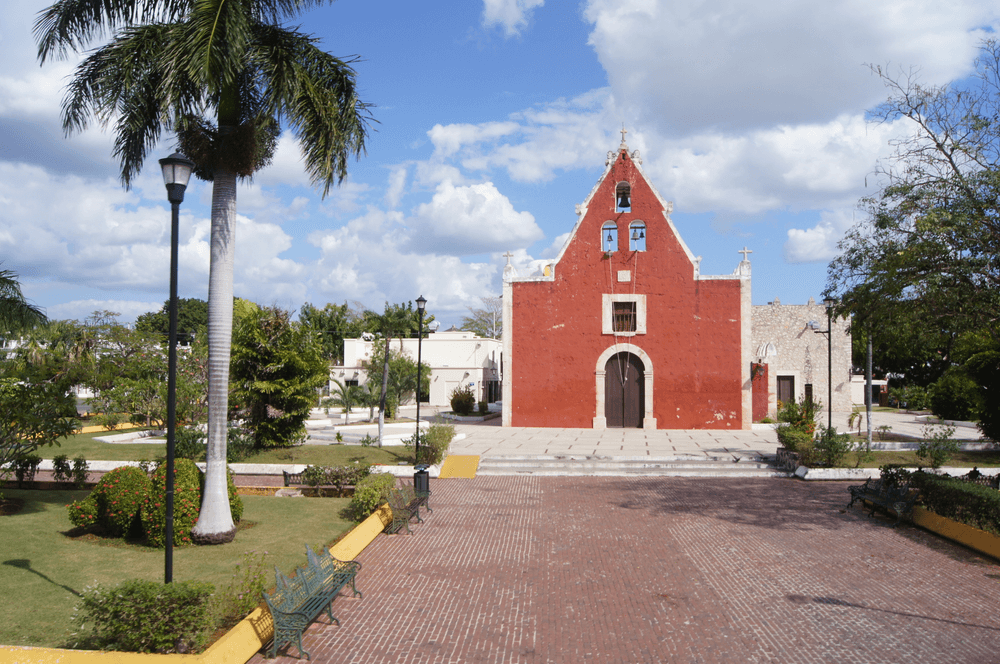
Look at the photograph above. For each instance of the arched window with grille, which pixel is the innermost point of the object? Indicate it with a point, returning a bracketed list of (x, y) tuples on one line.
[(637, 236), (609, 236)]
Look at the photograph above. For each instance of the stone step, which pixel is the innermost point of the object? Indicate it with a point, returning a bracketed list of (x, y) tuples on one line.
[(548, 465)]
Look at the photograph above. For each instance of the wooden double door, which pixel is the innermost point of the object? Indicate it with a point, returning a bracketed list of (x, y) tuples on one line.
[(624, 391)]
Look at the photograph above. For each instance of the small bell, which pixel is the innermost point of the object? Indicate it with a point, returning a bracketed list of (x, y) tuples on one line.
[(623, 201)]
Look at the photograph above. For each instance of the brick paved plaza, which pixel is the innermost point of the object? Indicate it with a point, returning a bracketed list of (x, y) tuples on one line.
[(564, 569)]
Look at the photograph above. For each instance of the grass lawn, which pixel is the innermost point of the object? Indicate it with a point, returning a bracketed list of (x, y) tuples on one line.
[(322, 455), (961, 459), (43, 571)]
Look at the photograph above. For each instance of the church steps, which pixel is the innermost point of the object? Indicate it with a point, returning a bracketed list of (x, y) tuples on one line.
[(547, 465)]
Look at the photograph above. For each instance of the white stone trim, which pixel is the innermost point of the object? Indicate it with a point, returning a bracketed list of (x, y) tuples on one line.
[(607, 326), (648, 421)]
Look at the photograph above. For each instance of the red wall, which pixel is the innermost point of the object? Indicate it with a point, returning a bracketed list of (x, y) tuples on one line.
[(693, 327)]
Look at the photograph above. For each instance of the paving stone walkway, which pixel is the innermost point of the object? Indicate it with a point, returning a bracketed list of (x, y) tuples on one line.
[(567, 570)]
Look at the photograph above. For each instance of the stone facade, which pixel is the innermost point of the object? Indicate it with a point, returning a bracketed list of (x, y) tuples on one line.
[(791, 340)]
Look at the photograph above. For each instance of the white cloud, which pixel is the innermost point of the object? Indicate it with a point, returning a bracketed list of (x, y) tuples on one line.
[(511, 15), (397, 185), (471, 219), (449, 139), (128, 310), (818, 243), (686, 65)]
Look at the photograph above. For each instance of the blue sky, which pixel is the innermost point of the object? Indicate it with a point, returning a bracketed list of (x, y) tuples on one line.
[(494, 121)]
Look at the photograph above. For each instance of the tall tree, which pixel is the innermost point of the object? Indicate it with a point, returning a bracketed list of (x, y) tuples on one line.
[(192, 317), (488, 321), (928, 250), (396, 321), (333, 323), (222, 74), (16, 313)]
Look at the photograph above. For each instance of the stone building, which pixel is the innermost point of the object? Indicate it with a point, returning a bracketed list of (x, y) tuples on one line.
[(790, 348)]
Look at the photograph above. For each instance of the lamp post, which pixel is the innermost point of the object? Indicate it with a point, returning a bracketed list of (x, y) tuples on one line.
[(421, 304), (176, 173), (829, 302)]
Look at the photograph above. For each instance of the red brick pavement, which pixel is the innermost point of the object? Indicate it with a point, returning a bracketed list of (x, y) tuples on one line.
[(576, 569)]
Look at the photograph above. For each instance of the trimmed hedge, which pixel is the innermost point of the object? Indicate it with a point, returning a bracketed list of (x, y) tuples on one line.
[(187, 502), (966, 502), (115, 503)]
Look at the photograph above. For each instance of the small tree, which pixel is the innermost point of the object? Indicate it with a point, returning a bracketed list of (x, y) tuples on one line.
[(276, 368), (33, 416)]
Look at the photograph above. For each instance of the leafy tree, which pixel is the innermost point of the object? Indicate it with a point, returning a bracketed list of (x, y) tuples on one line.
[(277, 366), (333, 323), (927, 253), (488, 321), (402, 383), (16, 313), (222, 75), (396, 321), (33, 416), (192, 319)]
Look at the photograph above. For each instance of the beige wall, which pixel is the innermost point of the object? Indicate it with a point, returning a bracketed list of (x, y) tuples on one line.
[(784, 340)]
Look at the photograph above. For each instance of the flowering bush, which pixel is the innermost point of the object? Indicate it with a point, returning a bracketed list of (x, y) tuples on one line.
[(115, 502), (187, 503)]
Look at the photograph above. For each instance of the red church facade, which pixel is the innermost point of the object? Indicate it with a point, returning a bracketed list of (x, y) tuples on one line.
[(622, 330)]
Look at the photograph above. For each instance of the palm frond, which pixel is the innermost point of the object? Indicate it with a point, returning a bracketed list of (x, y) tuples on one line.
[(317, 94), (69, 25)]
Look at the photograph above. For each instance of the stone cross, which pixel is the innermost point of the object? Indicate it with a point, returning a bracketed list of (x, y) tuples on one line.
[(745, 251), (508, 256), (624, 131)]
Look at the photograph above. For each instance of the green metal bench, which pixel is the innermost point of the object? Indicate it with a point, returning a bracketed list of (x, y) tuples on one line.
[(297, 601), (405, 504), (879, 493)]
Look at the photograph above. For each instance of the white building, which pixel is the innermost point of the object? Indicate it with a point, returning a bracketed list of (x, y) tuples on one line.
[(456, 358)]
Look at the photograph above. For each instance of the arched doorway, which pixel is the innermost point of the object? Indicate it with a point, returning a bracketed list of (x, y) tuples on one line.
[(624, 391)]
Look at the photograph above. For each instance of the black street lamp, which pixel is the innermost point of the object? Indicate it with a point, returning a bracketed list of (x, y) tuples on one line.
[(420, 477), (829, 302), (176, 173)]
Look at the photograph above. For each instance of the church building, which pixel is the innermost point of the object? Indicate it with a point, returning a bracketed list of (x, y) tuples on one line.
[(623, 329)]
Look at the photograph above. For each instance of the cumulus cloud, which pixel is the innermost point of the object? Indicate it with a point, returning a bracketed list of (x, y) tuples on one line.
[(472, 219), (818, 243), (511, 15), (686, 65)]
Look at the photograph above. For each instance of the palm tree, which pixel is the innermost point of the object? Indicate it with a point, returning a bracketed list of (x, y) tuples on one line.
[(223, 75), (346, 397), (16, 313)]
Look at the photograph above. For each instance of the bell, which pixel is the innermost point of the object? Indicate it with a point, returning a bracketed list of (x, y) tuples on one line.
[(610, 238), (623, 201)]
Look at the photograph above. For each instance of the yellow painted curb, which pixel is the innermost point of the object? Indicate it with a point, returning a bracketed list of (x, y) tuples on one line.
[(980, 540), (236, 646), (120, 427), (460, 465)]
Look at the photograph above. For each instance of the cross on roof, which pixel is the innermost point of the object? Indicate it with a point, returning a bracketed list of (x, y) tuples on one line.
[(623, 132), (508, 256), (745, 251)]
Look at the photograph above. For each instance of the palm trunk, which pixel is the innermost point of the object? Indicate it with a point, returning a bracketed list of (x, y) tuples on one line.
[(215, 521), (385, 387)]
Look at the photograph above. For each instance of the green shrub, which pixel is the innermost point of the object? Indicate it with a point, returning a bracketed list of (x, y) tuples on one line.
[(463, 401), (800, 416), (80, 469), (239, 444), (937, 446), (25, 467), (484, 408), (335, 476), (83, 513), (966, 502), (369, 494), (794, 439), (146, 616), (243, 594), (114, 504), (911, 397), (189, 443), (62, 471), (433, 443), (187, 503), (955, 396), (832, 447)]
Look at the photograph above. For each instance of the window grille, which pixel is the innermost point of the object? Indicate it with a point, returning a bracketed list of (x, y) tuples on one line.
[(623, 317)]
